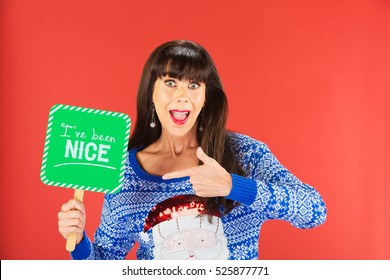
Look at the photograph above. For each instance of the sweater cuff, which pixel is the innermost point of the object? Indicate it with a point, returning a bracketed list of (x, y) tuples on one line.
[(244, 190), (82, 250)]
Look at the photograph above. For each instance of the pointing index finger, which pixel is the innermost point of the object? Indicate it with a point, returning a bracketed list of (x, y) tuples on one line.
[(177, 174)]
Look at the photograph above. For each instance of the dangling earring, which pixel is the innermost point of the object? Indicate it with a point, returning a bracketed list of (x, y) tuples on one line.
[(201, 120), (153, 123)]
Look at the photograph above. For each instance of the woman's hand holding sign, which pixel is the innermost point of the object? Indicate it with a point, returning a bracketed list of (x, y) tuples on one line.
[(71, 219)]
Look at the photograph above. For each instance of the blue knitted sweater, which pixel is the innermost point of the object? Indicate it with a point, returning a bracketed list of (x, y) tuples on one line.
[(175, 231)]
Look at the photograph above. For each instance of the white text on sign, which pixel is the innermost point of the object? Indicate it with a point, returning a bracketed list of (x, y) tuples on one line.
[(86, 150)]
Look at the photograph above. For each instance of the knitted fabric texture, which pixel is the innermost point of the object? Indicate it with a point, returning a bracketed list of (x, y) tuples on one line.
[(269, 192)]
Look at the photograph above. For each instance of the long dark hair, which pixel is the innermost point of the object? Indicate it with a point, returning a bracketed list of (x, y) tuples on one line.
[(190, 61)]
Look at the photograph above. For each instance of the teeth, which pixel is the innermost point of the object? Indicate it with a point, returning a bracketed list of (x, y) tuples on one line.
[(179, 115)]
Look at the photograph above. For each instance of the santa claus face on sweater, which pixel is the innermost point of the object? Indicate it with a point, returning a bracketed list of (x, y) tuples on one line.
[(190, 237), (180, 231)]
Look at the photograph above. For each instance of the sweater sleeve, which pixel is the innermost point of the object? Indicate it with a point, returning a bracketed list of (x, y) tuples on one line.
[(112, 240), (83, 249), (272, 190)]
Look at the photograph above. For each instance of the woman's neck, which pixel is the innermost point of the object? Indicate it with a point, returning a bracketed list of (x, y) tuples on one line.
[(174, 145)]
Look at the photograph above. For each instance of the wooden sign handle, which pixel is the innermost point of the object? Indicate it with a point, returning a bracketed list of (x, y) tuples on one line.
[(71, 240)]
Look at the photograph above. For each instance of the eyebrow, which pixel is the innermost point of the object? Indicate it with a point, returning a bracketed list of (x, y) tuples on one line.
[(190, 80)]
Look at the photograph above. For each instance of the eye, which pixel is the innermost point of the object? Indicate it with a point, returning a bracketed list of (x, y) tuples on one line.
[(170, 83), (194, 85)]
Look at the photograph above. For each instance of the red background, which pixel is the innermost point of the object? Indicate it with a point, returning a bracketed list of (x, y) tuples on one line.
[(309, 78)]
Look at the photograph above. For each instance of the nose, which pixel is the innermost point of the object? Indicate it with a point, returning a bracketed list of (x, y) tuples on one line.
[(182, 94), (191, 255)]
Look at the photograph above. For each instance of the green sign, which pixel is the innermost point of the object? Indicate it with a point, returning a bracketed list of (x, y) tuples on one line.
[(85, 149)]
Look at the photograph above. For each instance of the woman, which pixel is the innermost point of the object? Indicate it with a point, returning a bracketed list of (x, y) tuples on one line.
[(192, 190)]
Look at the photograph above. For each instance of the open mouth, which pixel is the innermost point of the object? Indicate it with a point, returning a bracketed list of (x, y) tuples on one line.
[(179, 117)]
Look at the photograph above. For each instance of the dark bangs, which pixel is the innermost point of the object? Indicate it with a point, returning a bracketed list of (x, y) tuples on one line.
[(183, 63)]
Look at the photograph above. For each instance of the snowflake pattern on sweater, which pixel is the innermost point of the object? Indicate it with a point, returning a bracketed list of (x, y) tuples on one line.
[(269, 192)]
